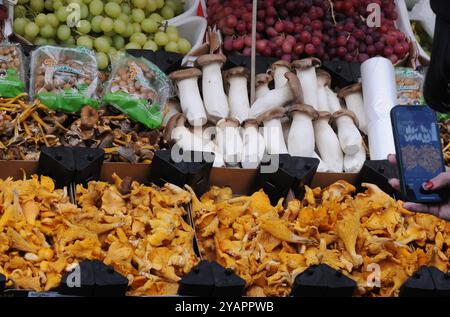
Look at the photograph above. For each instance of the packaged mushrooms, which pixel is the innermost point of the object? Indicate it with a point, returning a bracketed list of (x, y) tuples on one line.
[(139, 89), (12, 73), (64, 79)]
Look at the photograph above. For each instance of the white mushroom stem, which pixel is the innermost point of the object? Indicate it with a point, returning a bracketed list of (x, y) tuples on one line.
[(273, 136), (262, 85), (253, 146), (273, 99), (308, 81), (229, 141), (191, 101), (286, 125), (193, 141), (322, 96), (355, 103), (322, 168), (238, 98), (290, 91), (189, 141), (218, 158), (301, 134), (328, 145), (173, 107), (278, 75), (349, 136), (333, 101), (262, 90), (216, 103), (354, 163)]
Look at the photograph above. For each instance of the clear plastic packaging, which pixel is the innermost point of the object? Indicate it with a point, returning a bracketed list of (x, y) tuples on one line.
[(139, 89), (12, 70), (409, 86), (64, 79)]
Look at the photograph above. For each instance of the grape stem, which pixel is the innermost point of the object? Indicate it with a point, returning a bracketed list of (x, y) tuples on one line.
[(32, 13), (164, 25), (332, 11)]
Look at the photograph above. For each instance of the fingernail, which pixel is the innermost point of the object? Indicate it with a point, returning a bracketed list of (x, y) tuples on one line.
[(429, 185)]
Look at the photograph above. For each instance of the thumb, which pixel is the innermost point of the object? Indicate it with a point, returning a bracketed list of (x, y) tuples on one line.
[(441, 181)]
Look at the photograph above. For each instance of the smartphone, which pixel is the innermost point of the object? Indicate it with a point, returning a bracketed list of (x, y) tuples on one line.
[(419, 152)]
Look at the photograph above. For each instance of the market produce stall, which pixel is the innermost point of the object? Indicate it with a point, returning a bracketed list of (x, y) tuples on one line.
[(131, 148)]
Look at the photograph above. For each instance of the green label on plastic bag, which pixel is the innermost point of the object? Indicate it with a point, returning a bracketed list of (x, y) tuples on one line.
[(10, 84), (138, 109), (68, 101)]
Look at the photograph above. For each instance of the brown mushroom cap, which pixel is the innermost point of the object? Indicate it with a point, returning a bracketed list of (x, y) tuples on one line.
[(185, 74), (236, 71), (251, 122), (263, 79), (228, 122), (323, 115), (296, 86), (211, 58), (176, 120), (325, 75), (280, 63), (345, 112), (344, 92), (307, 63), (275, 113), (300, 107)]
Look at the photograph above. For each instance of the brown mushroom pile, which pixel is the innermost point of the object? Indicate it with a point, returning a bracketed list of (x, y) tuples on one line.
[(10, 58), (63, 69), (25, 128), (133, 77)]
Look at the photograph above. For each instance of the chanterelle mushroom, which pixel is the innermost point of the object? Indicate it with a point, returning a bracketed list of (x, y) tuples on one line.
[(189, 94), (215, 100)]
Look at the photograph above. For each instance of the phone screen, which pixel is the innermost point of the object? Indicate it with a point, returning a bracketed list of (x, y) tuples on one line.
[(418, 147)]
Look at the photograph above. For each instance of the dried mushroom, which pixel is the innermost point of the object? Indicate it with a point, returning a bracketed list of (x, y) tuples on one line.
[(26, 127)]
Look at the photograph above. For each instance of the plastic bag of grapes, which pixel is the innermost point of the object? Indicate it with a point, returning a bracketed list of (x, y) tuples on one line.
[(64, 79), (139, 89), (12, 72)]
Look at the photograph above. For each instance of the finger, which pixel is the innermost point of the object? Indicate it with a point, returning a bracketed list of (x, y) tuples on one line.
[(440, 181), (415, 207), (395, 183), (392, 159), (445, 212)]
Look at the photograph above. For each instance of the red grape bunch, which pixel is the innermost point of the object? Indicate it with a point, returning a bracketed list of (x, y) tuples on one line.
[(293, 29)]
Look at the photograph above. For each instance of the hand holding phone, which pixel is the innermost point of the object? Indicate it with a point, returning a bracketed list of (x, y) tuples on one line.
[(419, 153), (440, 210)]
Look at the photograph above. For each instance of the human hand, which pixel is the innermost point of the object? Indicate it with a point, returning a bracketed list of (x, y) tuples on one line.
[(441, 181)]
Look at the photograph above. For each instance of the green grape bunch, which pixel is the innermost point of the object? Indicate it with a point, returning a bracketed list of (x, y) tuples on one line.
[(105, 26)]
